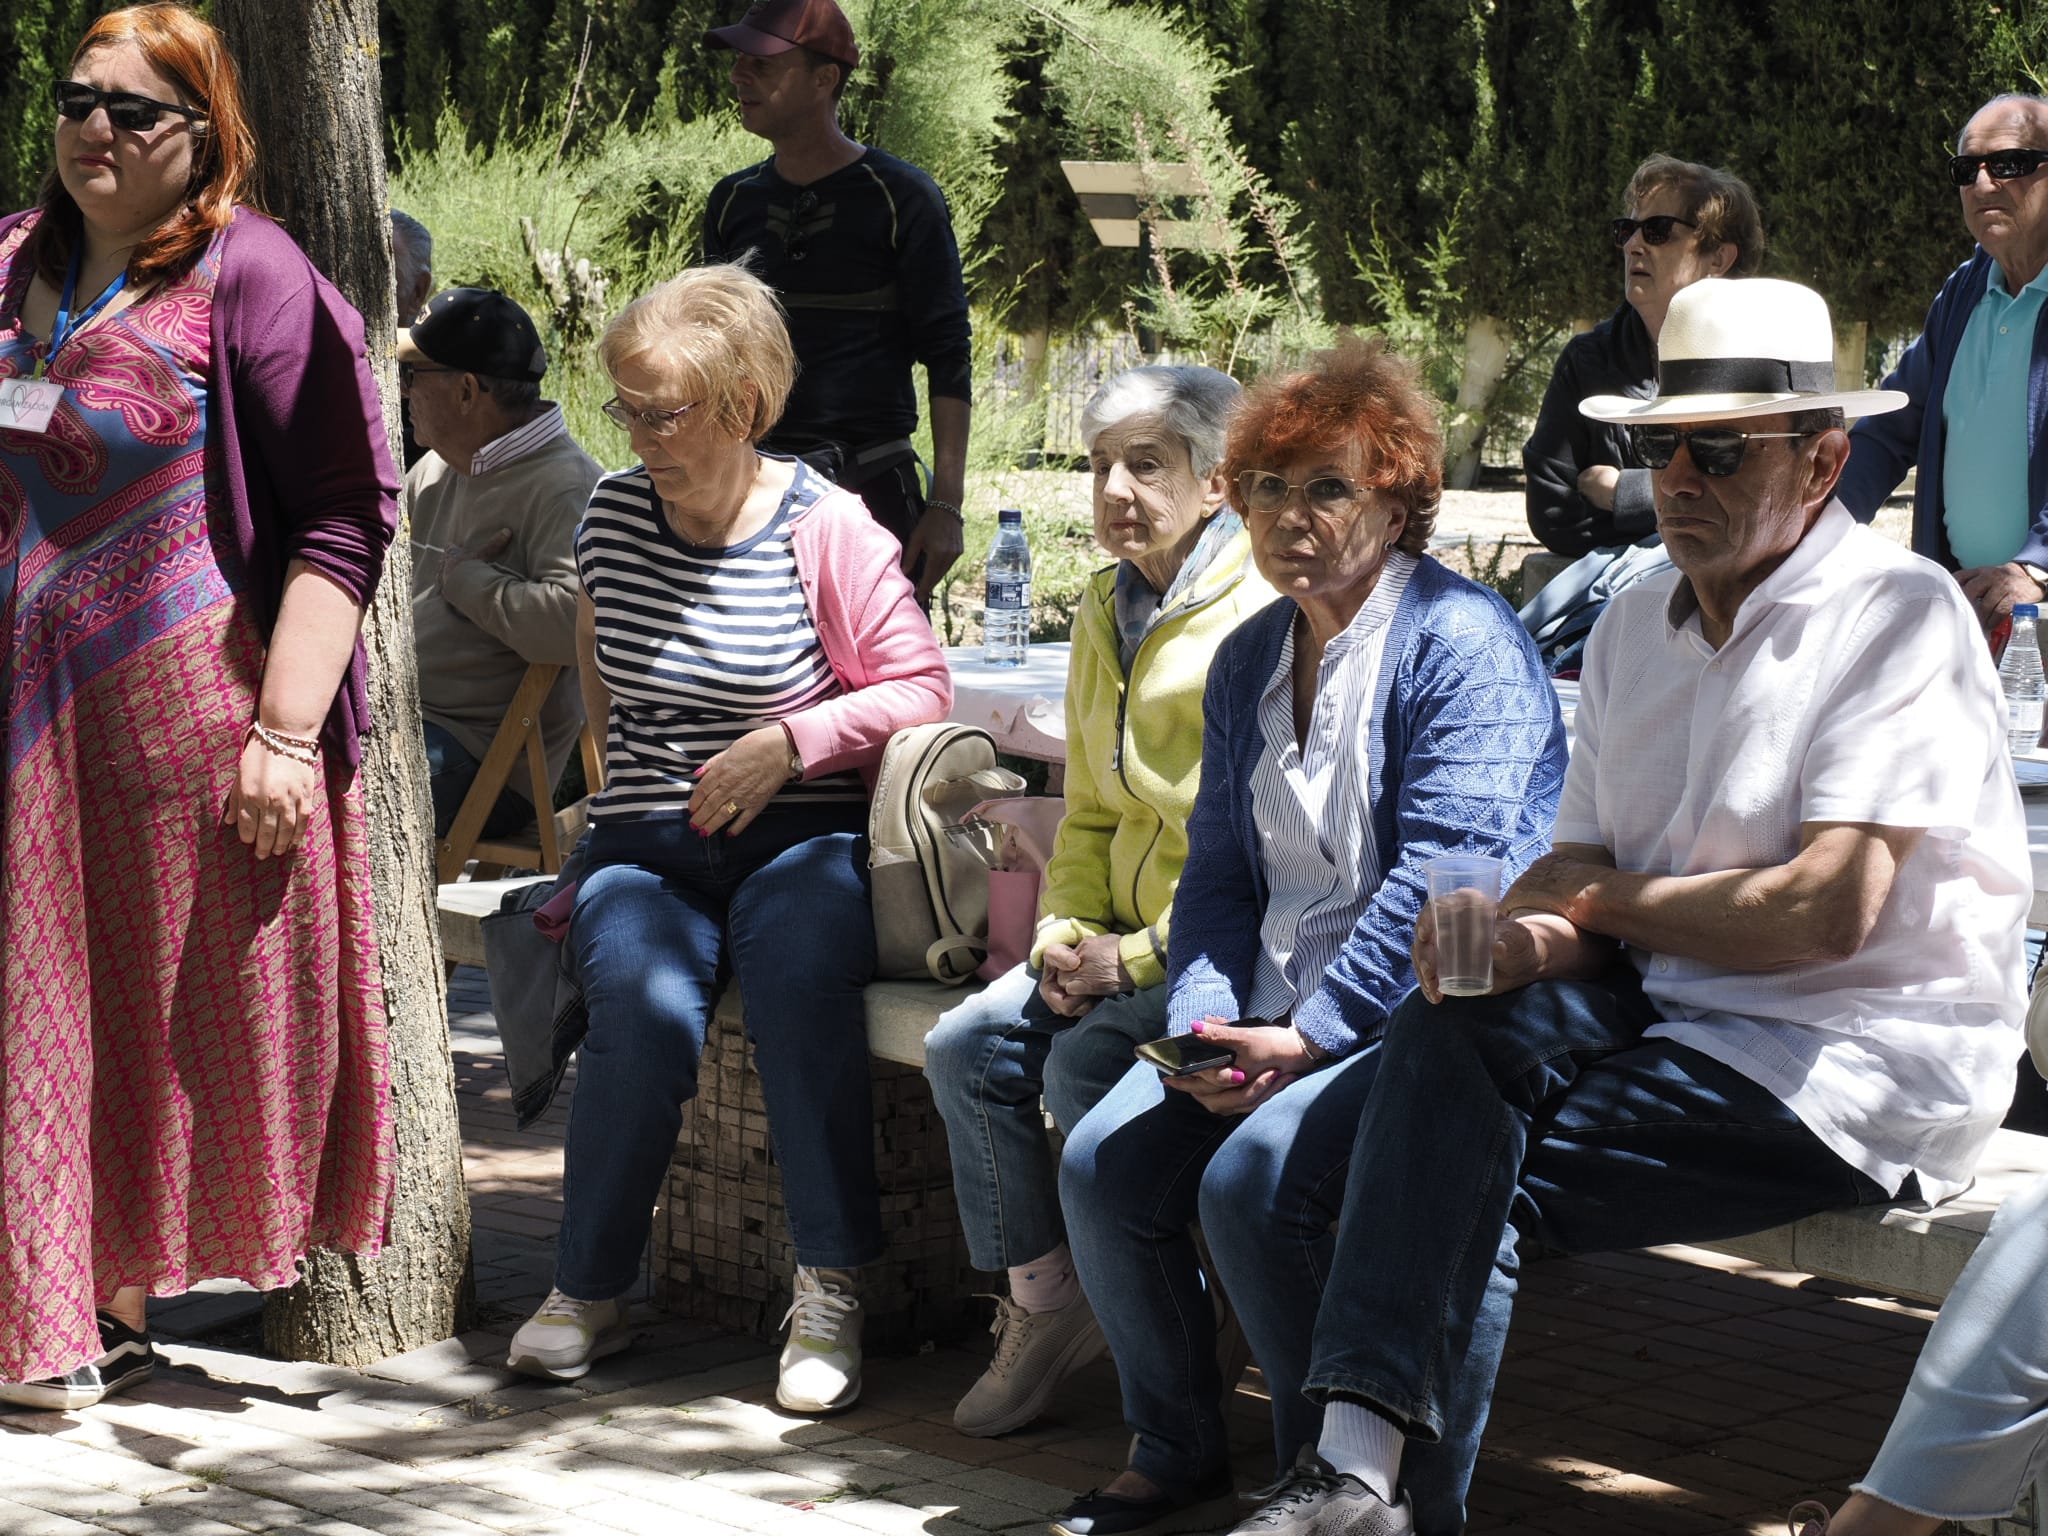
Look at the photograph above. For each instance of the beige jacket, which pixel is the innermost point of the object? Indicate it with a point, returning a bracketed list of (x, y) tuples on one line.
[(476, 635)]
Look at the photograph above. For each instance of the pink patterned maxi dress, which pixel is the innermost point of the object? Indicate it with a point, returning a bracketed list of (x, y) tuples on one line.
[(193, 1072)]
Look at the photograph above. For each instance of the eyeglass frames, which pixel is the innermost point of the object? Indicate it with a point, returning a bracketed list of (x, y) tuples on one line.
[(1266, 493), (407, 372), (2004, 165), (1716, 451), (659, 422), (125, 110), (1656, 228)]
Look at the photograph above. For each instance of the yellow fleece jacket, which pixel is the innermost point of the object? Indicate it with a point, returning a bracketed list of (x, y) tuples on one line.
[(1134, 757)]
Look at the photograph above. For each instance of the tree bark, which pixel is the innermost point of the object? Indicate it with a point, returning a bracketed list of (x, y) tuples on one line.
[(1852, 350), (309, 75), (1486, 363)]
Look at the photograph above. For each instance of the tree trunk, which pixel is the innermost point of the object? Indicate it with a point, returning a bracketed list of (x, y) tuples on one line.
[(1035, 347), (1486, 363), (309, 74), (1852, 349)]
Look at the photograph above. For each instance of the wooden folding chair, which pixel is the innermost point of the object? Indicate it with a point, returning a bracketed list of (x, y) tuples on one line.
[(542, 845)]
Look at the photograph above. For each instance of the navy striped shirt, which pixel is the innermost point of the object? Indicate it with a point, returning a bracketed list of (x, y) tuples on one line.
[(1312, 804), (697, 646)]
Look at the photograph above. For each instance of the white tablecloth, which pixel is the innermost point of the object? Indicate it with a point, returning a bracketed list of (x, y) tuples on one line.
[(1024, 708)]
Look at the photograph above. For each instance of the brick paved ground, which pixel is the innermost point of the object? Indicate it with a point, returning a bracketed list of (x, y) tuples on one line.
[(1663, 1392)]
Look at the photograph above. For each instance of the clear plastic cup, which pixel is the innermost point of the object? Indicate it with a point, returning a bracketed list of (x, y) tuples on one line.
[(1464, 891)]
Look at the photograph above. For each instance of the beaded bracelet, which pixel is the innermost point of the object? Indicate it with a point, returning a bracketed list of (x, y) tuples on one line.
[(947, 506), (300, 749)]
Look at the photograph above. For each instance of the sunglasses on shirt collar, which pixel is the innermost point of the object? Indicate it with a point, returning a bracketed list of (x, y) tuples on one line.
[(2004, 165), (125, 110)]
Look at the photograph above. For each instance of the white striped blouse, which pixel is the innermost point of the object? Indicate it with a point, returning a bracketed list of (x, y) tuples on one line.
[(1312, 804), (697, 646)]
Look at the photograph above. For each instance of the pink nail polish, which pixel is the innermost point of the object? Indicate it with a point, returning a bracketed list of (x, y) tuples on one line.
[(1236, 1076), (1196, 1026)]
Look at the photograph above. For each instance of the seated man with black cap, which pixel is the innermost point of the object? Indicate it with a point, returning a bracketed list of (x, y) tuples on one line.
[(493, 506)]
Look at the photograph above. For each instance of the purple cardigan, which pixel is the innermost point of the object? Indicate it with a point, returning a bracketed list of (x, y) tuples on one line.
[(298, 459)]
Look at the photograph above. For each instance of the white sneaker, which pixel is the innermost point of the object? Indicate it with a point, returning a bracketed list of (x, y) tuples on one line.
[(1035, 1352), (820, 1367), (1312, 1498), (565, 1335)]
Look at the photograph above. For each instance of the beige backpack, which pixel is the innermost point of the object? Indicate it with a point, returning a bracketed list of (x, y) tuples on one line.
[(929, 874)]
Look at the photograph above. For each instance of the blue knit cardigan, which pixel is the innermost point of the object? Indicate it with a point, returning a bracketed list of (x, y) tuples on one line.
[(1469, 757)]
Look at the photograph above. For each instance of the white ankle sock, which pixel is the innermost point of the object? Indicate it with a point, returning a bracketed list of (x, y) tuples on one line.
[(1359, 1441), (1047, 1284)]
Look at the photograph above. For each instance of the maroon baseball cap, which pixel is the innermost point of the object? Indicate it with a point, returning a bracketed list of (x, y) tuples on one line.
[(776, 26)]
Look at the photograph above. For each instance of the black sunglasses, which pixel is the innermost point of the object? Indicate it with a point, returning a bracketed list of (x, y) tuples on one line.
[(137, 114), (796, 241), (1716, 451), (2005, 164), (1656, 228)]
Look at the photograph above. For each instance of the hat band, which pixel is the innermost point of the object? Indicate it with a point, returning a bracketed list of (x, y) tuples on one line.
[(1743, 376)]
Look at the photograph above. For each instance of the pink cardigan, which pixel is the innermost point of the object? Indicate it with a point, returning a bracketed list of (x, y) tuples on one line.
[(880, 647)]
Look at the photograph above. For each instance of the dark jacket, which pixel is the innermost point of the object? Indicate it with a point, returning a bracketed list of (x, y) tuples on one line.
[(1616, 357), (1468, 757), (1884, 447)]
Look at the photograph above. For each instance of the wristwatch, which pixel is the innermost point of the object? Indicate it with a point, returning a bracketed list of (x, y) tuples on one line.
[(796, 758), (2035, 573)]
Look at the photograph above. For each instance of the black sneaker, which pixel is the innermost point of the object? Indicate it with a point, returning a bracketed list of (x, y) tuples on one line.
[(127, 1358), (1195, 1508)]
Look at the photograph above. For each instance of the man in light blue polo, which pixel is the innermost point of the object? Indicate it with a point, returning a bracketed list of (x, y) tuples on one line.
[(1978, 380)]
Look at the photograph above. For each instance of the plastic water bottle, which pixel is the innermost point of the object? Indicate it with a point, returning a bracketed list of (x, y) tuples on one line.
[(1006, 618), (2019, 674)]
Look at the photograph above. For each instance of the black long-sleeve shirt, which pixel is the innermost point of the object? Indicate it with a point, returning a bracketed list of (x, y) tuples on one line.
[(866, 264), (1616, 357)]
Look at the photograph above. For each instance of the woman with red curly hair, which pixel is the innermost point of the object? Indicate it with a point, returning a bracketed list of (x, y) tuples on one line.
[(1383, 713), (196, 494)]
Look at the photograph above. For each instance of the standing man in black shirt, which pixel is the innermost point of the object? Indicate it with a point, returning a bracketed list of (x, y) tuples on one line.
[(859, 247)]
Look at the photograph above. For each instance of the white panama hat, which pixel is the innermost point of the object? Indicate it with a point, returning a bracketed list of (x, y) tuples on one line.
[(1743, 346)]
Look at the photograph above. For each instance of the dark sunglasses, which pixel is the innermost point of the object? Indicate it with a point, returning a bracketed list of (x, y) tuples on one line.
[(1716, 451), (407, 372), (2005, 165), (1656, 228), (137, 114)]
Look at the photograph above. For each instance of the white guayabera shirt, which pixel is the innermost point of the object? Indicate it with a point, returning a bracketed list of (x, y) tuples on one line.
[(1856, 687)]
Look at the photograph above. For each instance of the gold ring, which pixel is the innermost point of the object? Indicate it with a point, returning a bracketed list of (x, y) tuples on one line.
[(732, 808)]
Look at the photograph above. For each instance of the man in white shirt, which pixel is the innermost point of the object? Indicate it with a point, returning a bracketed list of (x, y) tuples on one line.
[(1772, 965)]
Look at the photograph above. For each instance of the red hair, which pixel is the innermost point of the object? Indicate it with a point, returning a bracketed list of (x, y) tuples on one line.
[(1357, 399), (190, 51)]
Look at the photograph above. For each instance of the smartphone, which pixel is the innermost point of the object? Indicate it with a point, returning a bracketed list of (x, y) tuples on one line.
[(1178, 1055)]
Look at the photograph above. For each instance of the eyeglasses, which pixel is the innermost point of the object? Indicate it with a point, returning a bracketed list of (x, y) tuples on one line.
[(660, 423), (1656, 228), (407, 372), (126, 110), (1267, 493), (1716, 451), (796, 241), (2004, 164)]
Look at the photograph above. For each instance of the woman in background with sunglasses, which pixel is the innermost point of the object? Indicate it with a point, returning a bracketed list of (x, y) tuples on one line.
[(1585, 489), (196, 494)]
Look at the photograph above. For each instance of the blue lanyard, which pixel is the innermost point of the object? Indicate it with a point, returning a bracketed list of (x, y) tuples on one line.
[(67, 325)]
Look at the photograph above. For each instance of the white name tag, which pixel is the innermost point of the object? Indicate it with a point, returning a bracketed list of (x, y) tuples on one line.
[(26, 405)]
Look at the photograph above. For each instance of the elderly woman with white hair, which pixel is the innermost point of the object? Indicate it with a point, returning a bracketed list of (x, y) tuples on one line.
[(1062, 1027), (745, 631)]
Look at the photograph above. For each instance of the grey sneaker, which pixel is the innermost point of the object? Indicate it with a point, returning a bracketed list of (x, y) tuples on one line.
[(1314, 1499), (1035, 1352), (562, 1339), (820, 1367)]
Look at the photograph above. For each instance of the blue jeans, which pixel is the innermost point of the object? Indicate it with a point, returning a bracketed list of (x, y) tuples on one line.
[(662, 917), (1148, 1164), (450, 772), (990, 1060), (1504, 1128)]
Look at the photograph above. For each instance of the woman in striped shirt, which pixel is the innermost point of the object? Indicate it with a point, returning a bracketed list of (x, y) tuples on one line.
[(1383, 712), (748, 636)]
